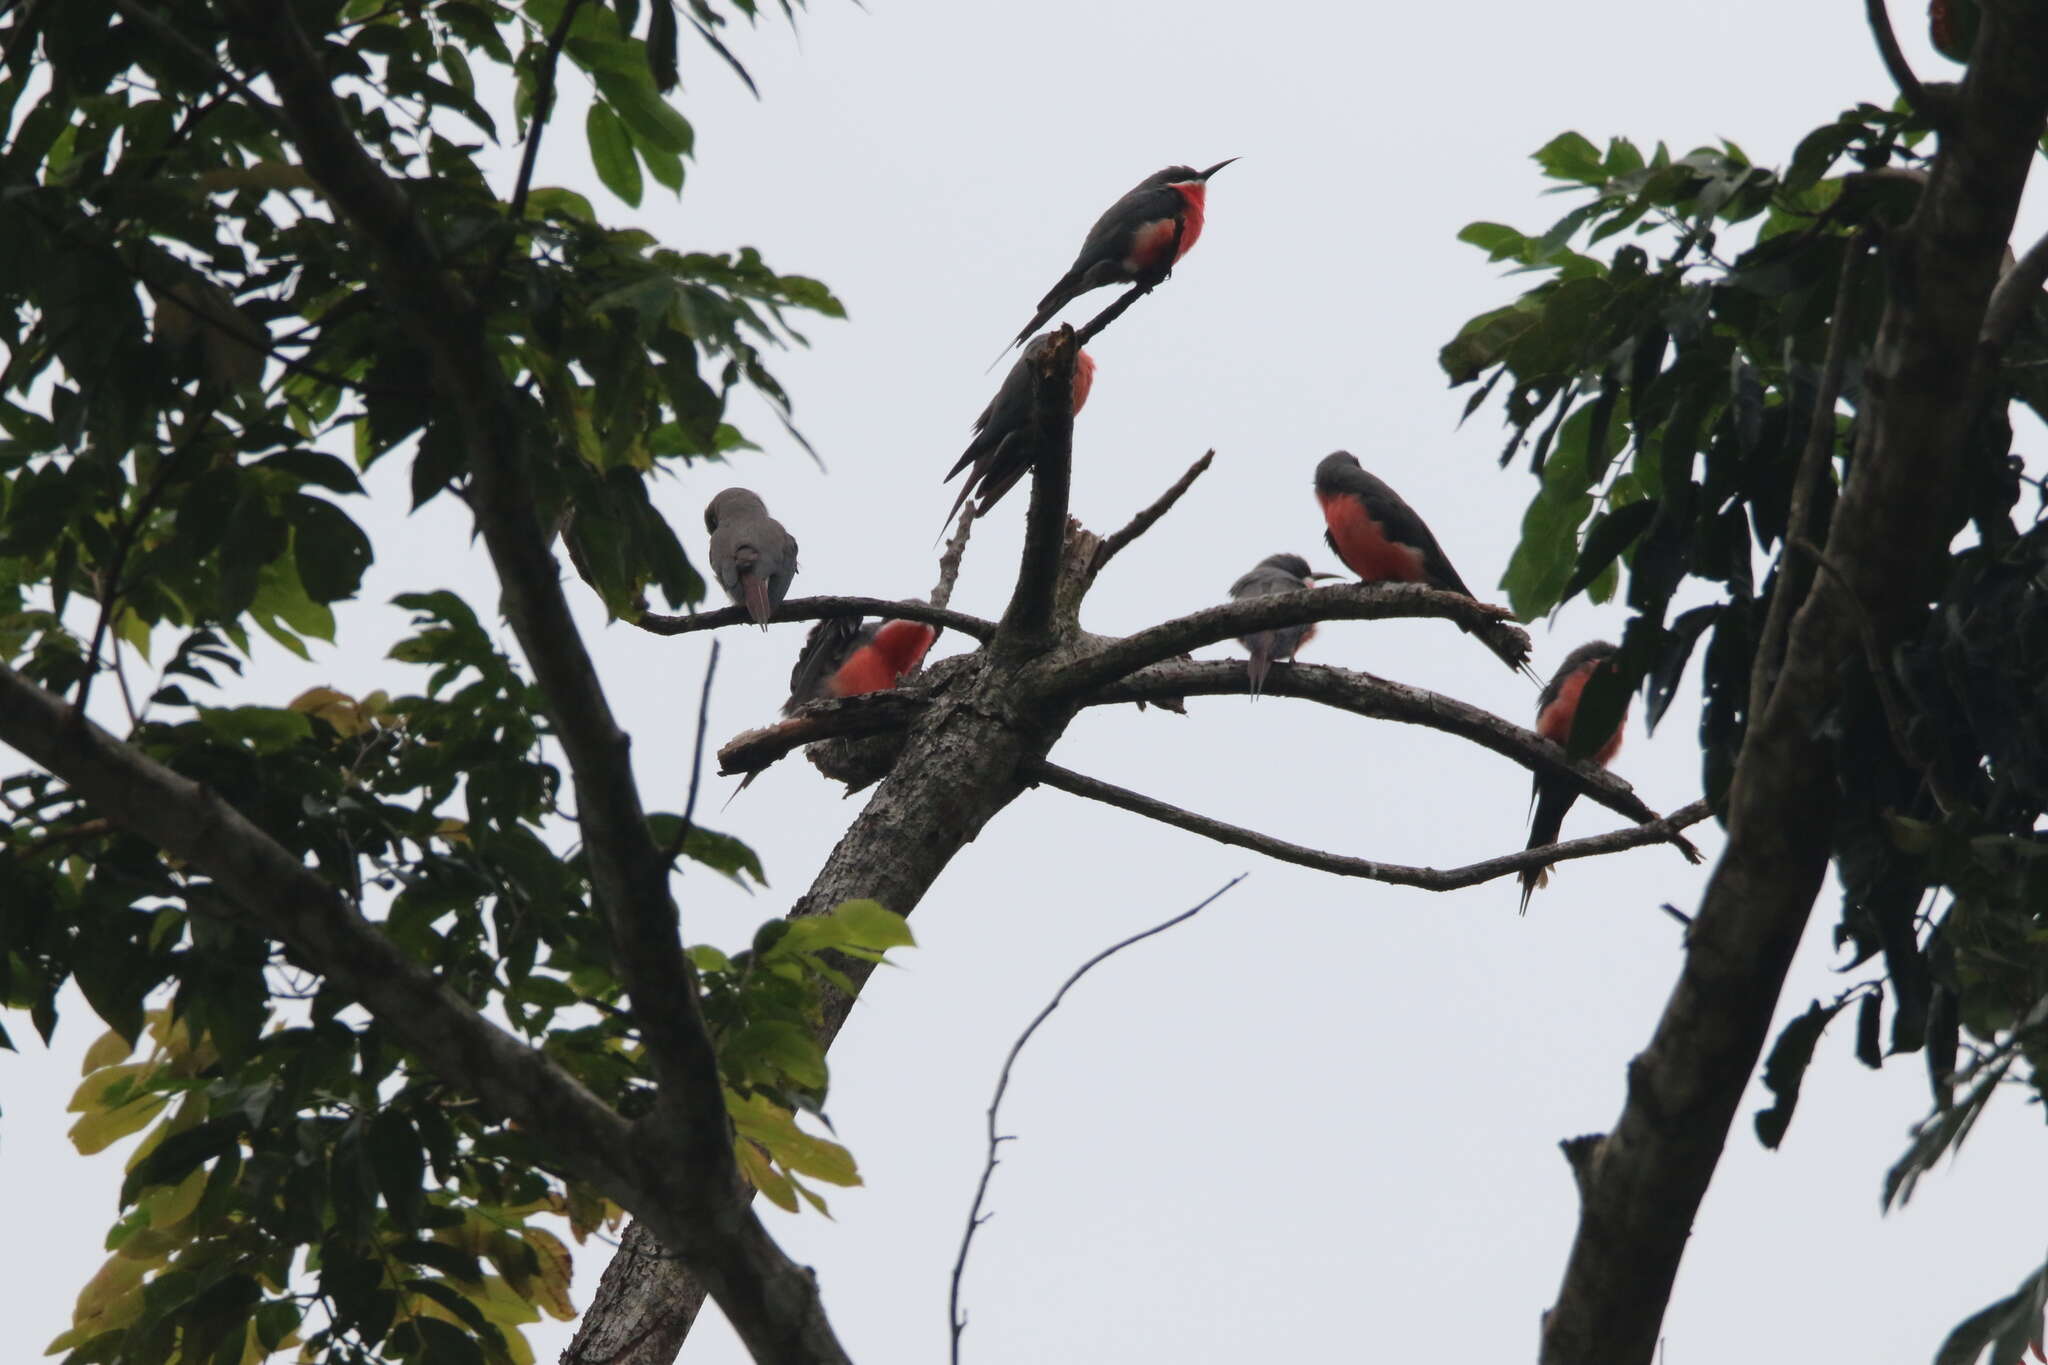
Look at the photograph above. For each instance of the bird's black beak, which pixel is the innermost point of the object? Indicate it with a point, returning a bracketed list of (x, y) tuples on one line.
[(1314, 577), (1213, 169)]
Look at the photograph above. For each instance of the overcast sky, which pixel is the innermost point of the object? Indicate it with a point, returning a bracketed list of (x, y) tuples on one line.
[(1320, 1121)]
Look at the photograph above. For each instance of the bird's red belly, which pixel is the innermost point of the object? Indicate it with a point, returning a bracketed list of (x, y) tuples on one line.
[(1364, 547), (867, 671), (1151, 242), (898, 648), (1555, 723)]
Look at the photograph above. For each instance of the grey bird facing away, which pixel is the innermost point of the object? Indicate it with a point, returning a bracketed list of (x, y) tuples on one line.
[(1134, 238), (753, 557), (1274, 574), (1557, 709), (1381, 539)]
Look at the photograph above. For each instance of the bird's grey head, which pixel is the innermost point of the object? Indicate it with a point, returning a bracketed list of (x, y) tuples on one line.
[(1335, 466), (1289, 564), (733, 503)]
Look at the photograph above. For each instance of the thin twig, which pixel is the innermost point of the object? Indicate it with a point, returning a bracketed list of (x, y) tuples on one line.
[(543, 110), (1814, 461), (2013, 296), (1130, 296), (675, 848), (1427, 878), (125, 542), (949, 562), (955, 1319), (1149, 517), (1895, 59), (818, 609)]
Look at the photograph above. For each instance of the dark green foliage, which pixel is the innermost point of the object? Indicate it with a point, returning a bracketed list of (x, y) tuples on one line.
[(189, 336), (1665, 390)]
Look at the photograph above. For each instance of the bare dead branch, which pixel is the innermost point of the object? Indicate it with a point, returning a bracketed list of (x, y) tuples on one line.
[(1229, 620), (1149, 517), (1427, 878), (1814, 463), (955, 1319), (871, 713), (949, 562), (1027, 621), (818, 609), (1376, 698)]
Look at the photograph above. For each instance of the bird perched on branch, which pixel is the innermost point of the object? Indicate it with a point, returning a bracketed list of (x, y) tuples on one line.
[(1007, 437), (843, 658), (752, 556), (1141, 238), (1557, 708), (1380, 539), (1274, 574)]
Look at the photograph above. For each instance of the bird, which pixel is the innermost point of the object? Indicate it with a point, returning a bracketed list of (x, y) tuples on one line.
[(843, 658), (1135, 239), (753, 557), (1380, 539), (1007, 440), (1557, 707), (1274, 574)]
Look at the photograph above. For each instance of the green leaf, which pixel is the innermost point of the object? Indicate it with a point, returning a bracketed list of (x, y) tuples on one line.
[(650, 118), (1611, 533), (611, 153), (869, 924), (1569, 156)]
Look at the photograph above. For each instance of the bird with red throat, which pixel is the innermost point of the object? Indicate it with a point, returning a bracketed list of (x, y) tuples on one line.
[(1557, 710), (1274, 574), (843, 658), (1008, 439), (1140, 238), (753, 558), (1379, 538)]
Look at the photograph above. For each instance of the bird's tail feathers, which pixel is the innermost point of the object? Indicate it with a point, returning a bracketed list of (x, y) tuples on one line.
[(756, 589)]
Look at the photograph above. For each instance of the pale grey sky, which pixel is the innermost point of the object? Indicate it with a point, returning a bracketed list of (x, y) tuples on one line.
[(1320, 1121)]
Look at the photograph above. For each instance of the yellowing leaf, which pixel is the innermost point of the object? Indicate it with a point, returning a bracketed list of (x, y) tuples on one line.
[(96, 1132), (498, 1303), (262, 175), (551, 1289), (107, 1050), (764, 1177), (111, 1298), (338, 709), (774, 1128), (92, 1091)]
